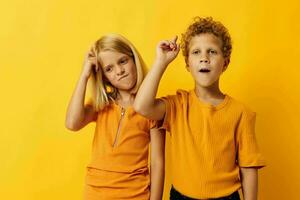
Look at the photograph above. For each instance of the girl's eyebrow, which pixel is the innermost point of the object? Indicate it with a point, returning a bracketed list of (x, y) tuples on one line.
[(122, 57), (109, 65)]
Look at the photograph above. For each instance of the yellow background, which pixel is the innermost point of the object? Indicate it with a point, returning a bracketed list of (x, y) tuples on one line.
[(42, 48)]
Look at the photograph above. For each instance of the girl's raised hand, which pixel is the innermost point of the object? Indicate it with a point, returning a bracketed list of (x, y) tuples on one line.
[(167, 50), (89, 64)]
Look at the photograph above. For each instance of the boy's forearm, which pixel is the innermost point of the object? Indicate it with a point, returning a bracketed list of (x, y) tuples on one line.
[(146, 95), (249, 178)]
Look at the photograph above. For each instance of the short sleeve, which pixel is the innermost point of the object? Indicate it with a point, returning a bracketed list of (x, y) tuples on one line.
[(248, 151), (170, 105), (153, 124)]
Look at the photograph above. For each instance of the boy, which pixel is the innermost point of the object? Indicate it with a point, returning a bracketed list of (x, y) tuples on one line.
[(213, 145)]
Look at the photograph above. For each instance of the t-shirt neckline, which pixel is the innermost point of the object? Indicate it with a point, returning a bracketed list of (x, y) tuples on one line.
[(208, 105)]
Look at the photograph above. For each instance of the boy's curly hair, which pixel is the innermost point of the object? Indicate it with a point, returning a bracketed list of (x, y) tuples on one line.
[(206, 25)]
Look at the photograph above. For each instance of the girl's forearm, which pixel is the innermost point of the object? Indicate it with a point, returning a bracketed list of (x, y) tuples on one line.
[(76, 111), (157, 181)]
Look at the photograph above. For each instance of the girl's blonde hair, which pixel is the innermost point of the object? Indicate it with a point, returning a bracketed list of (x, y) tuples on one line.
[(103, 91)]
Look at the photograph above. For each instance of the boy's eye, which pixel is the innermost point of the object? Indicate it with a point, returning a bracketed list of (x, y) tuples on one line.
[(195, 52), (211, 51)]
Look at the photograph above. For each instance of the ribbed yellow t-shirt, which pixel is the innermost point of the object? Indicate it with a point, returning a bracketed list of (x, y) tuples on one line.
[(209, 144), (119, 162)]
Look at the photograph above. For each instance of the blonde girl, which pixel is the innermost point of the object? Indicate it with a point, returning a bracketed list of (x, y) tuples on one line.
[(119, 163)]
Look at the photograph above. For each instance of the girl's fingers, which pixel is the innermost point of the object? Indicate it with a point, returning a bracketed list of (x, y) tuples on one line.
[(92, 60)]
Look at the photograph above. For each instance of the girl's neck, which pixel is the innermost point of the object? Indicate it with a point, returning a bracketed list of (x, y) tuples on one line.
[(211, 94), (124, 98)]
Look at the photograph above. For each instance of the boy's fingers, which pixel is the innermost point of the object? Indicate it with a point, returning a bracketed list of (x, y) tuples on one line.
[(178, 48), (164, 43), (174, 39)]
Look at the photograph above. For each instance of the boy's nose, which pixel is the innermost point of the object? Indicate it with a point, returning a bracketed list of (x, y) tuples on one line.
[(204, 59)]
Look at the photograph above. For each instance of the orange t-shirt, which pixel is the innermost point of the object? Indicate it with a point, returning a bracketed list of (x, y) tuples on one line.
[(209, 144), (119, 161)]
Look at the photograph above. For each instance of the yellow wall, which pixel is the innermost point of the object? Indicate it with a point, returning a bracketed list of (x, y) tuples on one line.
[(42, 49)]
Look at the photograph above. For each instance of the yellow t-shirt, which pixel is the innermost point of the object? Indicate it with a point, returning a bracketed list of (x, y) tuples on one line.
[(209, 144), (119, 161)]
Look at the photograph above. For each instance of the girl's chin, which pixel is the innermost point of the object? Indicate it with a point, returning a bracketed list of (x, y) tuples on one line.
[(125, 89)]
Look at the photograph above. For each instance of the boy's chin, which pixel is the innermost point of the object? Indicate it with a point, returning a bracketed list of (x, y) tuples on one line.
[(205, 84)]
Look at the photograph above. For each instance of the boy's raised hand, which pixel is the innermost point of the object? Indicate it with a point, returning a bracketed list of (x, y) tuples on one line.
[(167, 50)]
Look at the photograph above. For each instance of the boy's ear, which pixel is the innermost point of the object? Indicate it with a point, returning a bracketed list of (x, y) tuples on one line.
[(226, 63)]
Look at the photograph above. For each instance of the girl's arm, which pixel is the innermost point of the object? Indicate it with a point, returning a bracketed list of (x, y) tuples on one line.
[(157, 163), (145, 102), (249, 178), (78, 114)]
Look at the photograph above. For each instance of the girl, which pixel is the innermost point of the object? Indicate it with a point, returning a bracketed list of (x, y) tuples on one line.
[(119, 161)]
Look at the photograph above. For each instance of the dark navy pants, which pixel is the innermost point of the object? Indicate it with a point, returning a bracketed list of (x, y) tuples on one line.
[(175, 195)]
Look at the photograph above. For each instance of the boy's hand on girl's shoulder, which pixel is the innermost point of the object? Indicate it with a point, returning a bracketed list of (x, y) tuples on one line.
[(166, 51)]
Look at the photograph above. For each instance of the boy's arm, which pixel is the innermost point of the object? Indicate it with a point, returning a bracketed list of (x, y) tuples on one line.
[(157, 163), (145, 102), (249, 179)]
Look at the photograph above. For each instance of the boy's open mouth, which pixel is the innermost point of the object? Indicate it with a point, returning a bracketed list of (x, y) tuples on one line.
[(204, 70)]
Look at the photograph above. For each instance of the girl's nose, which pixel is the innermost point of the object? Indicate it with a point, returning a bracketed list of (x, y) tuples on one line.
[(120, 70)]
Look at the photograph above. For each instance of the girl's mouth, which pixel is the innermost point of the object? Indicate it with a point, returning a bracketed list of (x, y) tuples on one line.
[(123, 77)]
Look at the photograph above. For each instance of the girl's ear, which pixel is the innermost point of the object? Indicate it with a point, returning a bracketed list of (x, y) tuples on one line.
[(187, 67)]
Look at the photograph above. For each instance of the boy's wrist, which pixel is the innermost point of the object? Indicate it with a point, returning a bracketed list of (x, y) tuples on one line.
[(160, 63)]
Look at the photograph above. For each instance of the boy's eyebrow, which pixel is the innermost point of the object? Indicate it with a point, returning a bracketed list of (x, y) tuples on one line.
[(209, 47)]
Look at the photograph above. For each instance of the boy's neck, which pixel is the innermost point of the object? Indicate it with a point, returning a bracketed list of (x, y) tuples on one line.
[(212, 94)]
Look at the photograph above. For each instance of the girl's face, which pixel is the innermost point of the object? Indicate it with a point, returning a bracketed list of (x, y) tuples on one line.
[(119, 69)]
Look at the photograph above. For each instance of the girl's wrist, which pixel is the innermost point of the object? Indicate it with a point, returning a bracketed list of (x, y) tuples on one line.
[(84, 76)]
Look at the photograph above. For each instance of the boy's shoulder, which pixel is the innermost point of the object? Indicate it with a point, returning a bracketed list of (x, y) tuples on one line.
[(180, 94), (241, 106)]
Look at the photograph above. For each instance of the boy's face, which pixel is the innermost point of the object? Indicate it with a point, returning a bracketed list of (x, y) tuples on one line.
[(206, 61)]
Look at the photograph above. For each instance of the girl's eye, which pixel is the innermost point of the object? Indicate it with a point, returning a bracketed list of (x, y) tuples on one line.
[(108, 69), (124, 61)]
